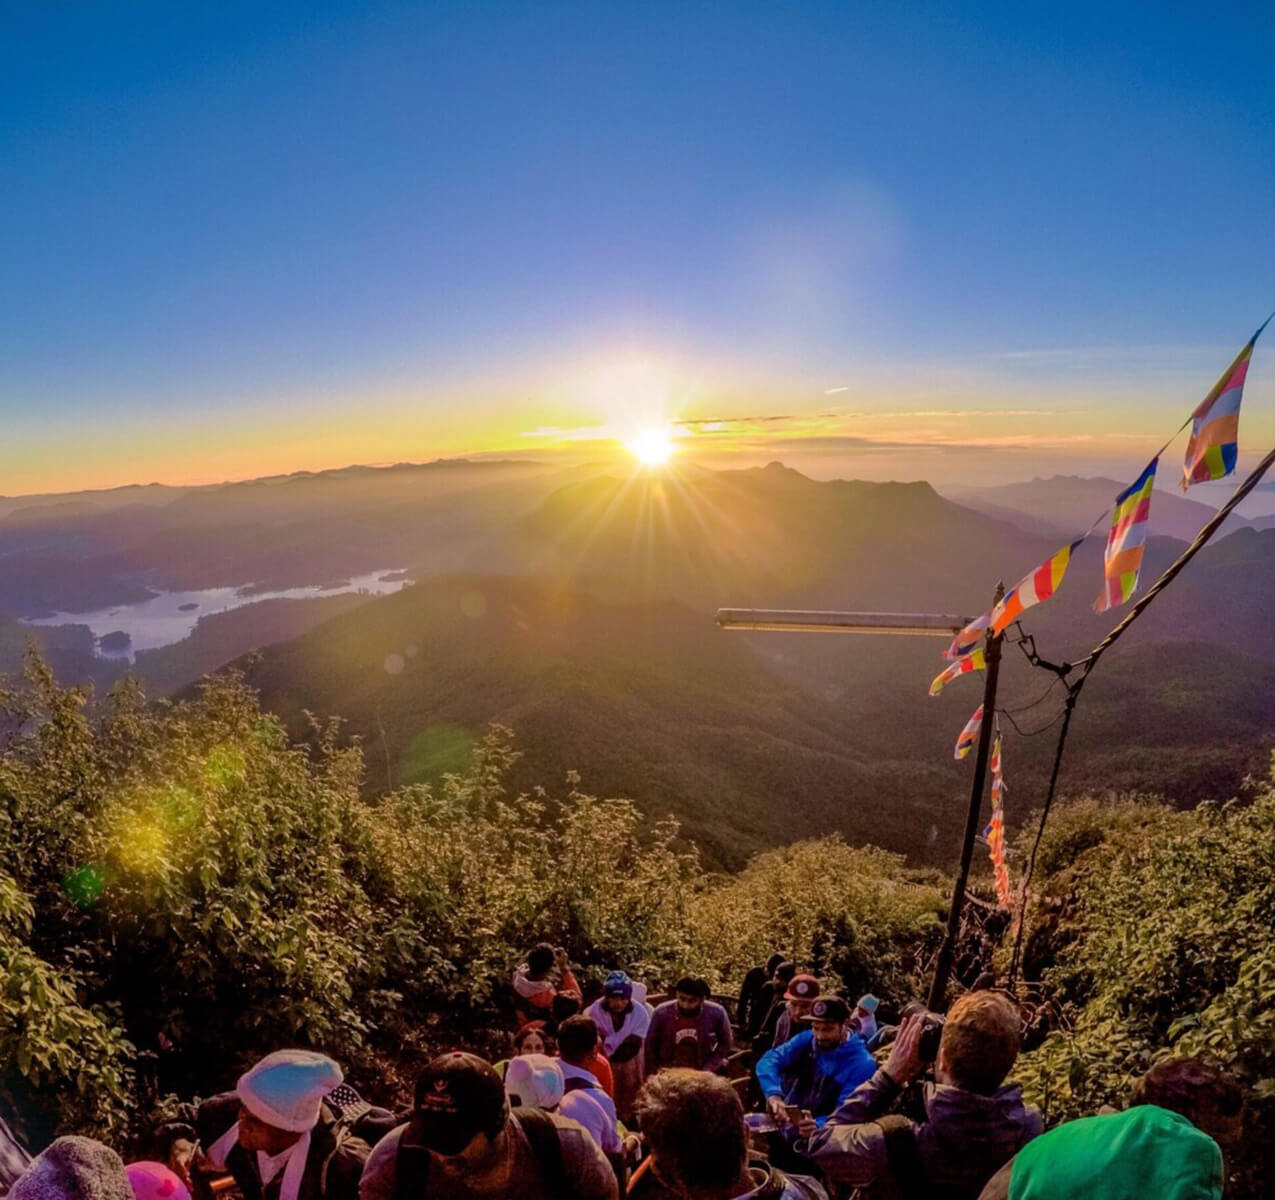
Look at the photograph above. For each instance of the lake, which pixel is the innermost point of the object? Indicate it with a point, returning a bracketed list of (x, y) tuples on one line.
[(170, 616)]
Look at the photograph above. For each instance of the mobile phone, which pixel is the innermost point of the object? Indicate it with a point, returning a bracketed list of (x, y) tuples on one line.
[(793, 1113)]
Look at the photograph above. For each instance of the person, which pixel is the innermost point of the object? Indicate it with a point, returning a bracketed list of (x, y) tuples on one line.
[(464, 1142), (154, 1181), (801, 993), (694, 1127), (863, 1021), (274, 1133), (73, 1168), (578, 1045), (970, 1122), (623, 1026), (751, 989), (688, 1031), (814, 1071), (769, 998), (531, 1038), (544, 975), (1168, 1144), (537, 1081)]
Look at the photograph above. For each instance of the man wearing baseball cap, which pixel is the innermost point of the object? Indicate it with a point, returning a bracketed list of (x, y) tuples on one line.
[(275, 1133), (814, 1070), (801, 994), (463, 1142)]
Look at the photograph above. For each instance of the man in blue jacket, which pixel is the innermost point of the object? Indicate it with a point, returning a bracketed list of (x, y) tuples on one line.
[(816, 1070)]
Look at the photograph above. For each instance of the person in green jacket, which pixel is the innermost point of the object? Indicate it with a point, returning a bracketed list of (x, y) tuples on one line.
[(1159, 1147)]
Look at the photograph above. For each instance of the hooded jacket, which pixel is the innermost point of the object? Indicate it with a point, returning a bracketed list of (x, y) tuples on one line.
[(534, 997), (333, 1164), (1145, 1151), (963, 1141), (818, 1080)]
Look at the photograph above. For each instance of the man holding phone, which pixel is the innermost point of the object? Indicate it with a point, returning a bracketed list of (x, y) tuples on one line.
[(806, 1078)]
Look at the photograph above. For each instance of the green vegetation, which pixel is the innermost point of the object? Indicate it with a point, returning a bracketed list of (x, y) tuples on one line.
[(1154, 933), (182, 887)]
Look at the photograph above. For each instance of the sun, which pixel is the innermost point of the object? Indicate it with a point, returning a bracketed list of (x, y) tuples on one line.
[(652, 447)]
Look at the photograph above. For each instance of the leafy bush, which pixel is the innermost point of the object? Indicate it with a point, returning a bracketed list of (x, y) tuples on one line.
[(851, 912), (1156, 934), (182, 889)]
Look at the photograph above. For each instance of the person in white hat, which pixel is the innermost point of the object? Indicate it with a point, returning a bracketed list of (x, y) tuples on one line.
[(537, 1081), (275, 1134)]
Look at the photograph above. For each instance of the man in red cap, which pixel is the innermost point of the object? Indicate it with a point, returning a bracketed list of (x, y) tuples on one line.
[(463, 1142), (802, 992)]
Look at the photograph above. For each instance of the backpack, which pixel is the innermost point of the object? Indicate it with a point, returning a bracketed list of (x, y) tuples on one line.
[(906, 1170), (411, 1167)]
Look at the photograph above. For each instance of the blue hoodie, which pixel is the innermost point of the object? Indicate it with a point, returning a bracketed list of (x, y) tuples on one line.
[(818, 1080)]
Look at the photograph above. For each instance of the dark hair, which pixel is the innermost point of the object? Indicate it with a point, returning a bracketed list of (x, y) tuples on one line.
[(540, 960), (692, 986), (772, 964), (577, 1037), (534, 1027), (563, 1006), (694, 1124), (785, 971), (1194, 1089)]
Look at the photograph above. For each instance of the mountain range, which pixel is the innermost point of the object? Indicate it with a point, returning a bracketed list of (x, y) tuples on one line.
[(576, 606)]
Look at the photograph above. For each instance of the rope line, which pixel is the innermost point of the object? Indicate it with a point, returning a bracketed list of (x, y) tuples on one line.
[(1085, 665)]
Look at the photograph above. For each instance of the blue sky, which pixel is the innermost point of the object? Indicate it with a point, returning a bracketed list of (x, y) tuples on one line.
[(241, 238)]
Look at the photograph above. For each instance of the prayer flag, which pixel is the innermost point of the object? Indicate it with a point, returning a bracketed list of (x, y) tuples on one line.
[(969, 735), (995, 833), (1214, 444), (968, 639), (963, 666), (1126, 540), (1042, 583)]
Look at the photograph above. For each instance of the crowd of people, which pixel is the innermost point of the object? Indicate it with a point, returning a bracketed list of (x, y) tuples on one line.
[(804, 1095)]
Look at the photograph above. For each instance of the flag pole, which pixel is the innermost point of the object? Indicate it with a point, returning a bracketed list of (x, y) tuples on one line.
[(947, 952)]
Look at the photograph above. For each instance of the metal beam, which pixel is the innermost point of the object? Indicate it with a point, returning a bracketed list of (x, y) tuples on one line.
[(785, 620)]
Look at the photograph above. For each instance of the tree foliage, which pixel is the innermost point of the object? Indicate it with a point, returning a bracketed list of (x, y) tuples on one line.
[(1154, 934), (182, 888)]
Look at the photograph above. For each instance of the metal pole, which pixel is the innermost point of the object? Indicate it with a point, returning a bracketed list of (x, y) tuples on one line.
[(947, 952)]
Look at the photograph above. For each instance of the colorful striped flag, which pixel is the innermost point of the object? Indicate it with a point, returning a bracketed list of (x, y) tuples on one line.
[(1042, 583), (995, 832), (969, 735), (968, 639), (1215, 429), (1126, 540), (963, 666)]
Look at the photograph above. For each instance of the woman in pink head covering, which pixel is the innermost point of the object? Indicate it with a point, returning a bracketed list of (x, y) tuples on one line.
[(154, 1181)]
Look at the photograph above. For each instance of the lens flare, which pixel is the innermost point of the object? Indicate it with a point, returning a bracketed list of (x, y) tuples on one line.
[(652, 447)]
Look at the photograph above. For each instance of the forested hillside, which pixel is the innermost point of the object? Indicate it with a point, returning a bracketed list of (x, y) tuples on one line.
[(378, 927)]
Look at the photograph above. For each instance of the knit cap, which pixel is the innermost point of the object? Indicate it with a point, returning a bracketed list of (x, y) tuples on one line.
[(286, 1088), (618, 984), (154, 1181), (536, 1080), (74, 1168), (868, 1003)]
